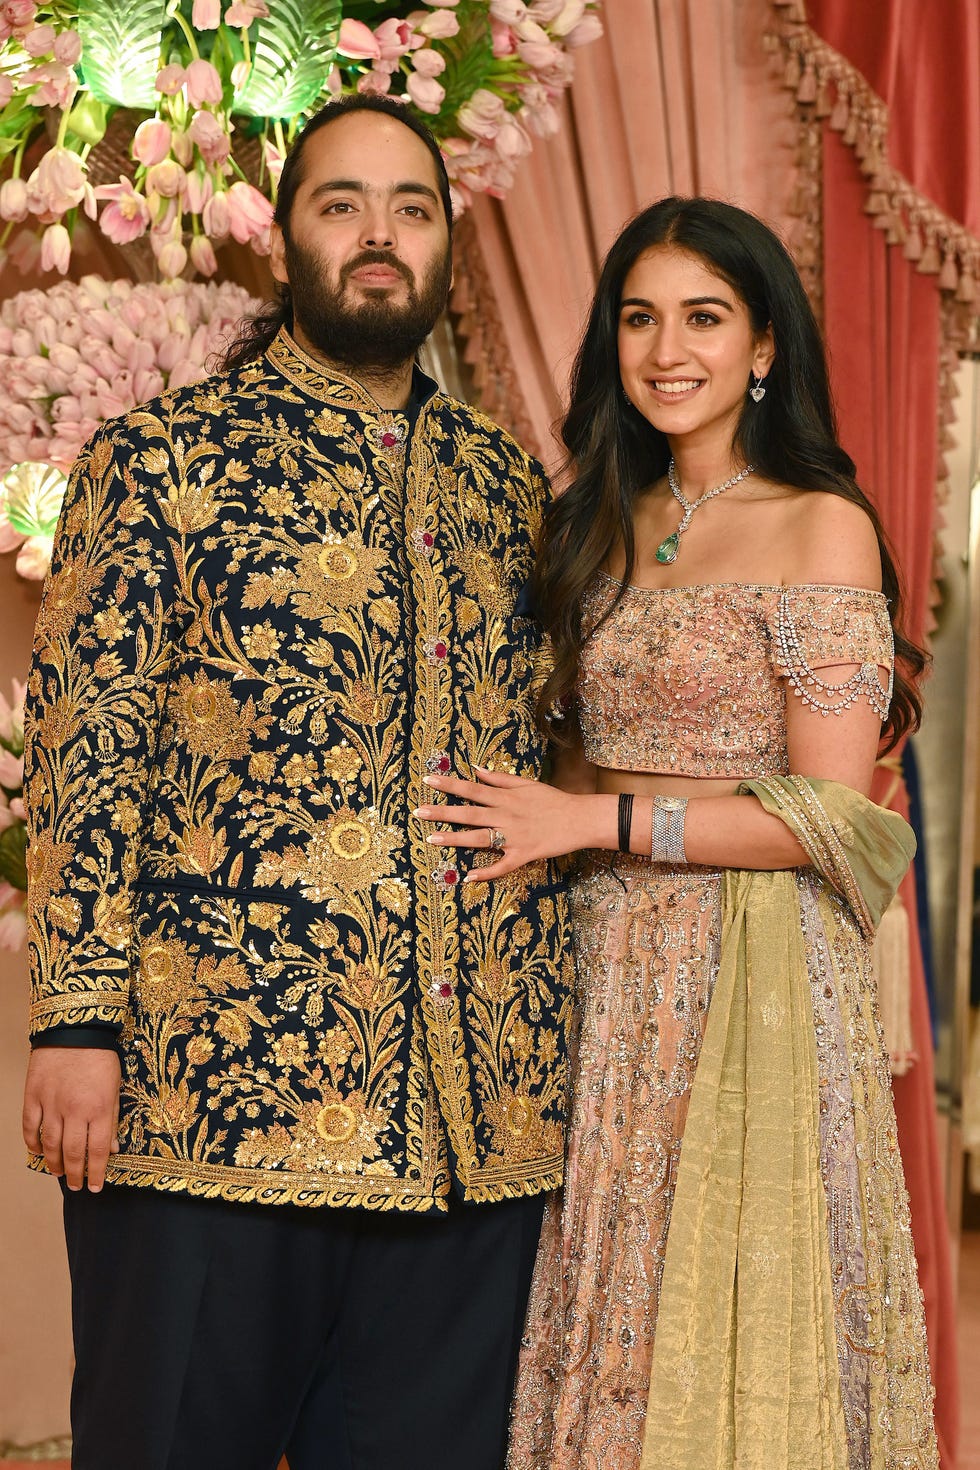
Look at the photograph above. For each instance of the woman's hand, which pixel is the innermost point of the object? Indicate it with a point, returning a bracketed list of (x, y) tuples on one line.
[(522, 820)]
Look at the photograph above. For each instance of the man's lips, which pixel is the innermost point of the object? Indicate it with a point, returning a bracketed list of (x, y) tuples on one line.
[(376, 275)]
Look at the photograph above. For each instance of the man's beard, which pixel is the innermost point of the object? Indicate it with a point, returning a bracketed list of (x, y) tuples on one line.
[(374, 333)]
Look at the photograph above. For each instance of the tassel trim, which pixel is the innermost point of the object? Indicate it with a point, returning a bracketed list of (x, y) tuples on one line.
[(829, 87)]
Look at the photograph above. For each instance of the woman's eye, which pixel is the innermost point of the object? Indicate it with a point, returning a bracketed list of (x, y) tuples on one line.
[(704, 319), (639, 319)]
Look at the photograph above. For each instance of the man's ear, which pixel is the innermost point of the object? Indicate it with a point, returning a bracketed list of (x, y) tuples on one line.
[(277, 255)]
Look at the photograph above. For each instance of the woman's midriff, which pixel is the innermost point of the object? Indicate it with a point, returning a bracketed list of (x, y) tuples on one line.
[(650, 783)]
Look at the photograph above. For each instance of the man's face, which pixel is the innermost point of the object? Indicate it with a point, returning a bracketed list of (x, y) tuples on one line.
[(368, 260)]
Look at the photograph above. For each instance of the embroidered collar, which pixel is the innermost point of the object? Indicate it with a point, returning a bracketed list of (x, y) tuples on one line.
[(318, 381)]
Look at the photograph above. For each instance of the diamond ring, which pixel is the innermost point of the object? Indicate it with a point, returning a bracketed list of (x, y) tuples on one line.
[(497, 839)]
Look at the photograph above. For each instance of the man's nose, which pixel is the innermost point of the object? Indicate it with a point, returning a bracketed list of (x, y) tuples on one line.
[(377, 230)]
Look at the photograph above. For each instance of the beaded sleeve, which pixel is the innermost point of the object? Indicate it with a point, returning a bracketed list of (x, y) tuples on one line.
[(817, 627)]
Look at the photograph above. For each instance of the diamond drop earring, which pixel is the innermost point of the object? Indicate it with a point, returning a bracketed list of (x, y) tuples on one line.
[(757, 391)]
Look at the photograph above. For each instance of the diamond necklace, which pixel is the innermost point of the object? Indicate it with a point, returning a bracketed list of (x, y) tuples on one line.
[(668, 548)]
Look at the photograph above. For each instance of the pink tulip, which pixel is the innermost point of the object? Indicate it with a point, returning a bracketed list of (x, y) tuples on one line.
[(376, 81), (171, 260), (482, 115), (394, 40), (58, 182), (167, 179), (18, 16), (18, 809), (206, 15), (13, 923), (249, 212), (547, 11), (437, 25), (216, 217), (170, 79), (39, 41), (243, 12), (13, 199), (211, 138), (504, 39), (151, 142), (6, 90), (127, 217), (203, 258), (203, 83), (425, 92), (589, 29), (357, 41), (67, 47), (11, 770), (55, 249), (199, 190), (54, 84), (183, 147), (508, 12), (429, 63)]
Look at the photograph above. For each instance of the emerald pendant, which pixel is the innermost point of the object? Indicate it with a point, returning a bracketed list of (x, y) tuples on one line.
[(667, 550)]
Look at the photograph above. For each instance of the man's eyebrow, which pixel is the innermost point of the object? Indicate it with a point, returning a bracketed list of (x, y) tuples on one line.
[(356, 186)]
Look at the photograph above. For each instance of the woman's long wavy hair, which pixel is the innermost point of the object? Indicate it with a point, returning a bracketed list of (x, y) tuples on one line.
[(790, 437), (256, 333)]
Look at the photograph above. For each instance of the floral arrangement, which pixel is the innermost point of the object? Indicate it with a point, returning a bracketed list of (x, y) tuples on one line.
[(207, 95), (13, 833), (80, 353)]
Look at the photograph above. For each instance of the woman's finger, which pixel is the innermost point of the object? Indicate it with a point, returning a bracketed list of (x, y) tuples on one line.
[(491, 871), (454, 786), (477, 837), (466, 816), (501, 778)]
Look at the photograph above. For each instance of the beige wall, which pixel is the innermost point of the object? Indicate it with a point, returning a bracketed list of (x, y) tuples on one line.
[(35, 1337)]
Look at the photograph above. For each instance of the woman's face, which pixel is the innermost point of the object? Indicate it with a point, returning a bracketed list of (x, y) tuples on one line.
[(687, 346)]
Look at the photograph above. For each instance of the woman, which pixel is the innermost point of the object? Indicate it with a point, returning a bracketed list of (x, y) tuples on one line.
[(731, 1279)]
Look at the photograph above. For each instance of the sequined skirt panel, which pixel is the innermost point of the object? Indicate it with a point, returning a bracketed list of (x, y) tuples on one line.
[(647, 947)]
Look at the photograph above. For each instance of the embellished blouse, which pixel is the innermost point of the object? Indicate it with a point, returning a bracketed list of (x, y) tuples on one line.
[(691, 681)]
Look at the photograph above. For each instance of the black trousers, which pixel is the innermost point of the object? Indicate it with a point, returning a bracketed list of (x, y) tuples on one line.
[(214, 1336)]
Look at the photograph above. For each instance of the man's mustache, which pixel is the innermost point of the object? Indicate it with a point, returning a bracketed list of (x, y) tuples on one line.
[(376, 257)]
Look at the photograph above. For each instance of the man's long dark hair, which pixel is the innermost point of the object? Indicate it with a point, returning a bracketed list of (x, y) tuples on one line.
[(255, 333), (790, 437)]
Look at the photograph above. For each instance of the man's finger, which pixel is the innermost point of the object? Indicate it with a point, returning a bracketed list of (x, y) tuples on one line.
[(31, 1124), (73, 1146), (51, 1127), (100, 1138)]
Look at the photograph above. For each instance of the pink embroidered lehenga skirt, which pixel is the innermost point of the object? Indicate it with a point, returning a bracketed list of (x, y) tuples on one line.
[(647, 947)]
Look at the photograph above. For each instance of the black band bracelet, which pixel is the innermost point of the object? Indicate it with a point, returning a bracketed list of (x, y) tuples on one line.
[(625, 819)]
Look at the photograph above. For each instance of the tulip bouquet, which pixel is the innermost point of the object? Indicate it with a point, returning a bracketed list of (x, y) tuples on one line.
[(208, 95), (75, 355), (13, 833)]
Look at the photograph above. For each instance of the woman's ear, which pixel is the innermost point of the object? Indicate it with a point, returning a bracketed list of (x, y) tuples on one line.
[(765, 353)]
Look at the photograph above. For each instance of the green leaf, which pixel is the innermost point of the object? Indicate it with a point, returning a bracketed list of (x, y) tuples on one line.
[(88, 119), (291, 55), (121, 42), (13, 856), (469, 58)]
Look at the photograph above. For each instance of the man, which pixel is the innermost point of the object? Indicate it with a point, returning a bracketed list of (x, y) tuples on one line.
[(279, 599)]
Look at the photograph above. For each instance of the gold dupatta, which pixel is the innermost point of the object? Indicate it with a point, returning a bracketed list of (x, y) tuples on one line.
[(745, 1370)]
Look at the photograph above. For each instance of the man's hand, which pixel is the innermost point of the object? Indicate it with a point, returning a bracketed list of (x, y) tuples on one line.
[(71, 1111)]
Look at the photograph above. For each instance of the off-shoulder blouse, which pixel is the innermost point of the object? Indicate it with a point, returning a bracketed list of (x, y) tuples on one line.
[(693, 681)]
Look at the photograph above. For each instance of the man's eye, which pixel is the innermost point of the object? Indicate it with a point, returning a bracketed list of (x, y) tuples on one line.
[(417, 211), (339, 206)]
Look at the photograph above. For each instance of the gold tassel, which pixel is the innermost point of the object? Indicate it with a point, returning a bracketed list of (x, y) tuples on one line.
[(841, 111), (890, 966)]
